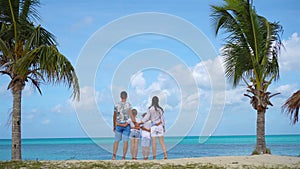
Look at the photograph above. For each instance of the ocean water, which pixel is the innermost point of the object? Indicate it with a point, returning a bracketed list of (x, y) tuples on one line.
[(178, 147)]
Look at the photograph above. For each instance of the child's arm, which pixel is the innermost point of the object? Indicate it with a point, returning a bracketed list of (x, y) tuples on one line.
[(136, 127), (145, 129)]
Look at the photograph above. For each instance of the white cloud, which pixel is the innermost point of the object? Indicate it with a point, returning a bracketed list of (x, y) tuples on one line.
[(205, 70), (138, 82), (3, 89), (57, 109), (286, 90), (84, 22), (235, 96), (28, 90), (47, 121), (290, 56), (32, 114), (89, 98), (184, 84), (190, 102)]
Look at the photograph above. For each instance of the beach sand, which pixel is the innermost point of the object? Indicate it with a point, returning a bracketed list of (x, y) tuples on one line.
[(256, 161)]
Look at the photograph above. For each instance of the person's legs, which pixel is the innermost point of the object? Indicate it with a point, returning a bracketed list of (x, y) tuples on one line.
[(144, 152), (163, 146), (118, 138), (125, 149), (144, 148), (136, 143), (126, 133), (115, 149), (147, 152), (132, 147), (154, 147)]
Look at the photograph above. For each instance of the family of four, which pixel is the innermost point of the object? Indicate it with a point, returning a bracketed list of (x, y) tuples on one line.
[(126, 124)]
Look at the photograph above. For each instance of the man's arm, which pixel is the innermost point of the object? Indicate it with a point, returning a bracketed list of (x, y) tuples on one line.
[(131, 115), (132, 118), (114, 120)]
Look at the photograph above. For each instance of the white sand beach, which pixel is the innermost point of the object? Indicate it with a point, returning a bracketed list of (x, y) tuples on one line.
[(231, 161), (249, 162)]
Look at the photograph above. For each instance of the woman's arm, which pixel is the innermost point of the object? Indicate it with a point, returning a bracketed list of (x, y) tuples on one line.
[(145, 129), (146, 117)]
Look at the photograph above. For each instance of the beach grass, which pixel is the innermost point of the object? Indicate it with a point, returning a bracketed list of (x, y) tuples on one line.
[(119, 165)]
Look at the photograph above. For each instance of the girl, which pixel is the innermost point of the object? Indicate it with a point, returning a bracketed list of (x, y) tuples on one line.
[(156, 115), (134, 135)]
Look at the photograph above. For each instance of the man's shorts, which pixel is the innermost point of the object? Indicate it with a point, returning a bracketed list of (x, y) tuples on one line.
[(122, 132)]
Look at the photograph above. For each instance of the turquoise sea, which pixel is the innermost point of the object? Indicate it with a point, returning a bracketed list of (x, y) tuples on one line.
[(178, 147)]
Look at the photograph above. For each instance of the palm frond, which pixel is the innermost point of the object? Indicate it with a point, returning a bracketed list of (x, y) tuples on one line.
[(28, 10), (52, 65), (5, 50), (292, 106), (252, 44), (36, 83)]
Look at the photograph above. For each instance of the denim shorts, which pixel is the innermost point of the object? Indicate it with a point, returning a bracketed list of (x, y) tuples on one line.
[(146, 142), (135, 134), (122, 132)]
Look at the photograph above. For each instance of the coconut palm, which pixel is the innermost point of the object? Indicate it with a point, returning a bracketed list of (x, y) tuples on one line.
[(250, 53), (292, 106), (28, 55)]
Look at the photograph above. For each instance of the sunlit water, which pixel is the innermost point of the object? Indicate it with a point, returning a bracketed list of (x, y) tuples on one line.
[(178, 147)]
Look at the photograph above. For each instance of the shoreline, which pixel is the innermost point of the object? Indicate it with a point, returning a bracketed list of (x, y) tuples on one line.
[(254, 161)]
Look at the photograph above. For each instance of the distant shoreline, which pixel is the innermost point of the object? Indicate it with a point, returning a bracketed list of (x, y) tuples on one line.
[(242, 135)]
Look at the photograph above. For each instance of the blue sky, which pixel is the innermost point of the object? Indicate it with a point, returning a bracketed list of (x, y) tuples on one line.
[(165, 48)]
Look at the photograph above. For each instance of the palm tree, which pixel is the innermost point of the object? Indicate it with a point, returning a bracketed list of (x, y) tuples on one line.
[(292, 106), (250, 53), (28, 54)]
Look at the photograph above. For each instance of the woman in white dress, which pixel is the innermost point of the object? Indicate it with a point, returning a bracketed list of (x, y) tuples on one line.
[(156, 115)]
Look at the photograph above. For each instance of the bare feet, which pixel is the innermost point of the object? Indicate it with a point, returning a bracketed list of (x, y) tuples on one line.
[(114, 157), (165, 156)]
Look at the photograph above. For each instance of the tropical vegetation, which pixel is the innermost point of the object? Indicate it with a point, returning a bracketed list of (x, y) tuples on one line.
[(292, 106), (29, 55), (250, 53)]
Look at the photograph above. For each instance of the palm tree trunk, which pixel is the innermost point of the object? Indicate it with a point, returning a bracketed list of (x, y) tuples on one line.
[(16, 122), (260, 133)]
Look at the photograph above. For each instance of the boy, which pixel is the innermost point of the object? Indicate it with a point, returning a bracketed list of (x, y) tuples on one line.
[(146, 138)]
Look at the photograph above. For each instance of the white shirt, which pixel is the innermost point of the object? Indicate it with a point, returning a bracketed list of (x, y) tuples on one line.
[(155, 116), (132, 124), (144, 133)]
